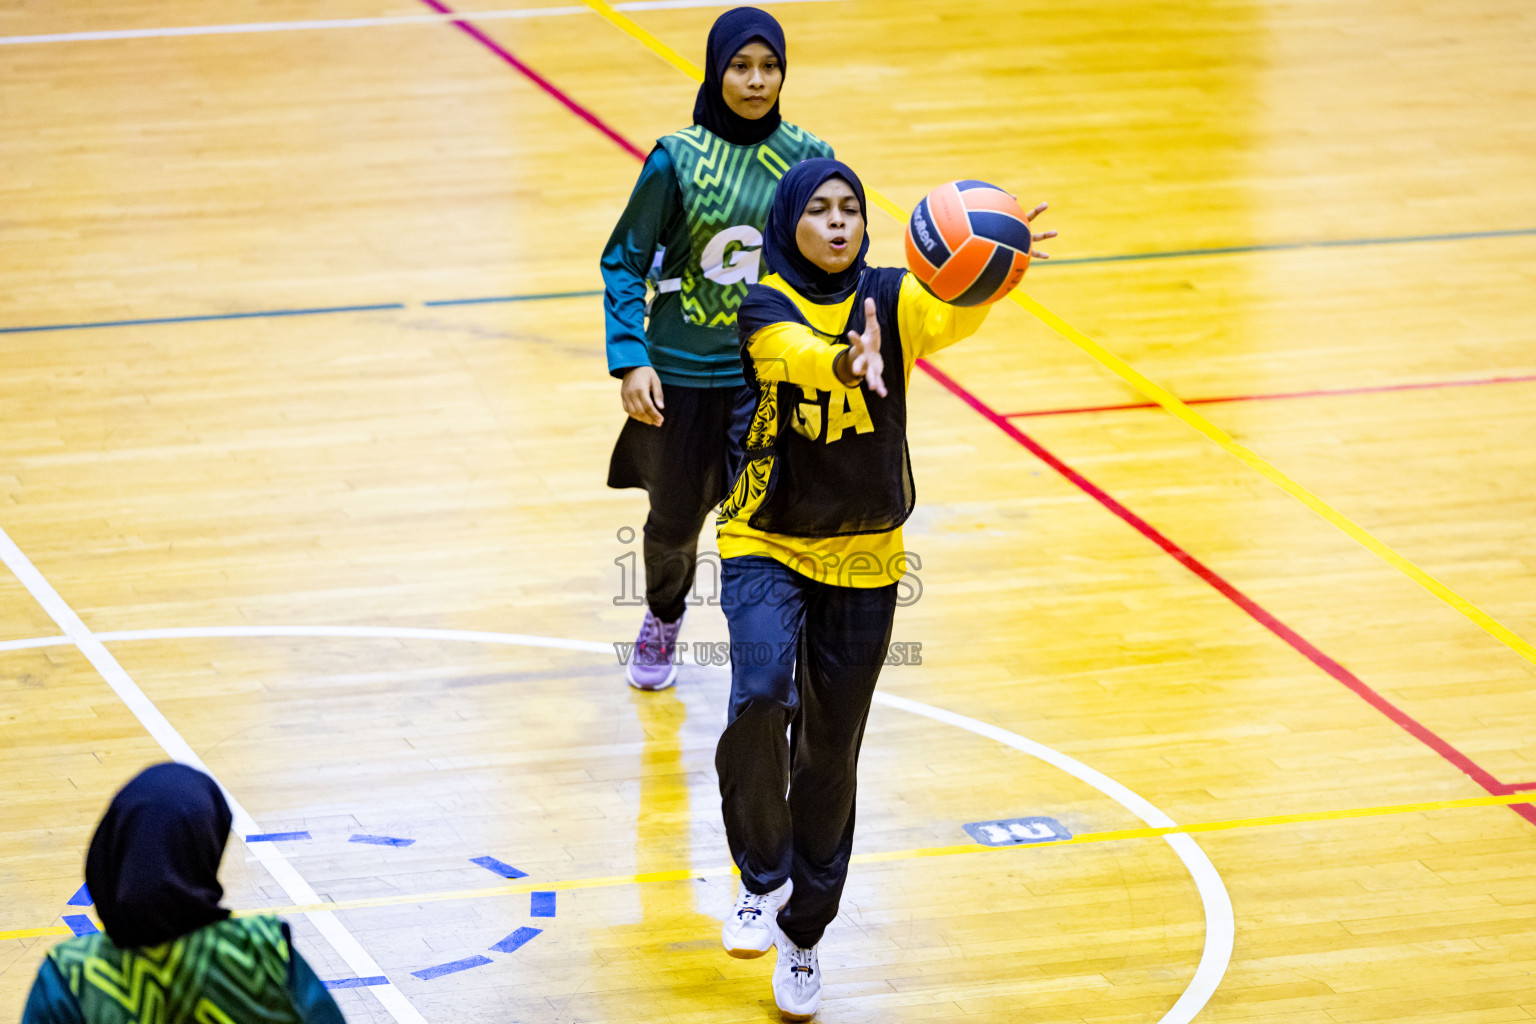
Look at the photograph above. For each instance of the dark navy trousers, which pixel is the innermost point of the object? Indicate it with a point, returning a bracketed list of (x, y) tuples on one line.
[(686, 465), (804, 660)]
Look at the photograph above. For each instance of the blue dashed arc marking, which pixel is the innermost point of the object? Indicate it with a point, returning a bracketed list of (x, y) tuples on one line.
[(81, 898), (79, 924), (516, 940), (356, 982), (276, 837), (541, 904), (502, 869), (381, 840), (428, 973)]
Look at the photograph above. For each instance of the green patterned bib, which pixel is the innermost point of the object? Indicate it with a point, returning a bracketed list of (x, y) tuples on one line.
[(231, 972), (727, 191)]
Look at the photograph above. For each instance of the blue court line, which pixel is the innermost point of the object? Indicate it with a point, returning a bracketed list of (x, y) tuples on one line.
[(81, 898), (357, 982), (541, 904), (195, 319), (534, 297), (516, 940), (428, 973), (276, 837), (79, 924), (381, 840), (502, 869), (1227, 250)]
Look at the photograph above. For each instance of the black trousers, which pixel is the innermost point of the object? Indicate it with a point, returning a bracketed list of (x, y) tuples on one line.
[(686, 465), (804, 659)]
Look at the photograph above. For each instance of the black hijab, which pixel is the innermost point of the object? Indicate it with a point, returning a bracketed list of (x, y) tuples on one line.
[(153, 866), (733, 30), (783, 253)]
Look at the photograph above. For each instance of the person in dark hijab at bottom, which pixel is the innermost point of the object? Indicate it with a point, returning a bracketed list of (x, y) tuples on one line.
[(812, 557), (693, 230), (170, 953)]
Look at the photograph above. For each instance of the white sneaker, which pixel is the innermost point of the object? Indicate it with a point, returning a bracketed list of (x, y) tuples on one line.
[(796, 981), (753, 926)]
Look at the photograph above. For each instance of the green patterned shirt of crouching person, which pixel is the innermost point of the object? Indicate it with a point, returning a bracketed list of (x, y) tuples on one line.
[(235, 971)]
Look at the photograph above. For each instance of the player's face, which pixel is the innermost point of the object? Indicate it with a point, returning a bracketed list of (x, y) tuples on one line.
[(831, 230), (752, 80)]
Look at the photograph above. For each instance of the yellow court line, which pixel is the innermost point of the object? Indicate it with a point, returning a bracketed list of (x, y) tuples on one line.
[(884, 857), (32, 933), (647, 40), (1120, 835), (516, 889), (1174, 405), (1168, 400)]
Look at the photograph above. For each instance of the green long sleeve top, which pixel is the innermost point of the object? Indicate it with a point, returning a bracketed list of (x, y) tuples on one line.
[(682, 353)]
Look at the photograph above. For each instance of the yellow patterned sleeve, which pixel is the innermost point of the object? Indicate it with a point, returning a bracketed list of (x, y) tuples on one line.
[(795, 354), (929, 325)]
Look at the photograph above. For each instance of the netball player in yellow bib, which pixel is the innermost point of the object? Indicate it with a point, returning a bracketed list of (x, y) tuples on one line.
[(810, 538)]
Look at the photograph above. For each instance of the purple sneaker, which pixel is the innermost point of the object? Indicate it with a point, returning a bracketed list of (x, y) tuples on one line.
[(653, 666)]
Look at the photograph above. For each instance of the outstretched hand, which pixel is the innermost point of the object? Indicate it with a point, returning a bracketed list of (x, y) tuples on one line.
[(865, 351), (1037, 237)]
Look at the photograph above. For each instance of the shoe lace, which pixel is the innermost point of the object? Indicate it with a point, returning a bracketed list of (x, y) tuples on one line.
[(650, 632), (803, 961), (754, 903)]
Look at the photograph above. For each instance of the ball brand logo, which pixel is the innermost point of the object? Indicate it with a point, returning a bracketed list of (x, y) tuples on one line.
[(920, 225)]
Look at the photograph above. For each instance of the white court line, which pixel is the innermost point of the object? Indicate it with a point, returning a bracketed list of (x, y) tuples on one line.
[(171, 741), (1220, 926), (359, 632), (248, 28), (42, 641)]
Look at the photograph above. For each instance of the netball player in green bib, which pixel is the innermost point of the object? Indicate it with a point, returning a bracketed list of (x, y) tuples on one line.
[(170, 952), (693, 230)]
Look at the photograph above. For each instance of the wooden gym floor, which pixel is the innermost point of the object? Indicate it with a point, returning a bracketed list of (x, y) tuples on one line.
[(275, 497)]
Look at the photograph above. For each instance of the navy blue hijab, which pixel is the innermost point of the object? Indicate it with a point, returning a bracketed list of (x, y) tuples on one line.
[(783, 254), (733, 30), (153, 865)]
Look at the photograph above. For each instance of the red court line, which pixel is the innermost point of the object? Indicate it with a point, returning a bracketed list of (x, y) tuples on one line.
[(1274, 625), (1237, 597), (537, 79), (1320, 393)]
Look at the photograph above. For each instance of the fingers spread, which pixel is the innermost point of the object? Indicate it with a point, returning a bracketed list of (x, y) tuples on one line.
[(876, 384)]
